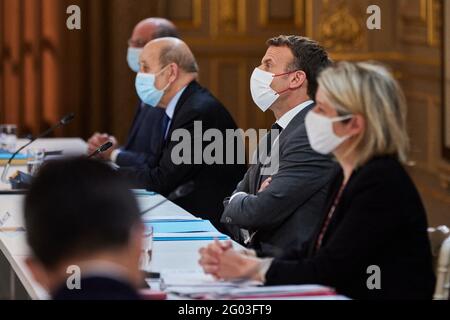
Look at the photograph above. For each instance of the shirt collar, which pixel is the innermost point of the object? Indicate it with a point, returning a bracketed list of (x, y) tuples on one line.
[(170, 110), (291, 114)]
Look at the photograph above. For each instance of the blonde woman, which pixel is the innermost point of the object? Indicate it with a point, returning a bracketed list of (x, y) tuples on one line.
[(374, 218)]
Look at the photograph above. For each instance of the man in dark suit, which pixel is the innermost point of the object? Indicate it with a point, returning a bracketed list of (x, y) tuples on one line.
[(144, 136), (89, 249), (168, 80), (267, 211)]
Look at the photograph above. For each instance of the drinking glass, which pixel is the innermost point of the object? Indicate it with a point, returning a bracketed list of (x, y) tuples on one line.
[(8, 137), (147, 248)]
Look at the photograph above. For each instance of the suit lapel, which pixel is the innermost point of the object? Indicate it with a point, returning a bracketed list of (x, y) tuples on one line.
[(298, 120), (190, 90), (136, 123)]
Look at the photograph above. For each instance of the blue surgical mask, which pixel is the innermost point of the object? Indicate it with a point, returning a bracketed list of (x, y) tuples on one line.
[(133, 58), (146, 90)]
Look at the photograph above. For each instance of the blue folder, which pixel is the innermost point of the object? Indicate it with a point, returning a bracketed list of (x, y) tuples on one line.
[(143, 193), (193, 238), (194, 226), (7, 155)]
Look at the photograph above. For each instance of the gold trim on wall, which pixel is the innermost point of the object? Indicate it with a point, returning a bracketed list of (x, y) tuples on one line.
[(340, 28), (309, 18), (197, 17), (217, 16), (427, 19), (299, 14), (432, 36)]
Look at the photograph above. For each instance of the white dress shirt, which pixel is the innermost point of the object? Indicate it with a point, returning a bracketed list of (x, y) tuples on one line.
[(170, 110), (283, 122)]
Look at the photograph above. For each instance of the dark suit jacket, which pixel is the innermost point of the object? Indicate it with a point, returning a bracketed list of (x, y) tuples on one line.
[(380, 220), (212, 182), (143, 141), (288, 211), (98, 288)]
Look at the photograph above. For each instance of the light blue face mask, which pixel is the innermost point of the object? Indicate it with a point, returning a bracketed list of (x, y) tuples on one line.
[(146, 90), (133, 58)]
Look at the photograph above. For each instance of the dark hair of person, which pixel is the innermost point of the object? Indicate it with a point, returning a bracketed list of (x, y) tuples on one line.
[(77, 207), (309, 57)]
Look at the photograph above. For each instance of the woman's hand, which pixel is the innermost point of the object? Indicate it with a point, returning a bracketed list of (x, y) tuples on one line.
[(234, 265), (210, 256), (222, 262)]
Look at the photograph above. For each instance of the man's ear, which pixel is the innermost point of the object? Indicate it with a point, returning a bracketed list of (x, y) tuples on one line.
[(298, 80), (174, 72), (38, 271)]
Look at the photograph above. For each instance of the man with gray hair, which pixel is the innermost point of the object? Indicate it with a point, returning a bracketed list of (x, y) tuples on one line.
[(144, 137), (168, 80)]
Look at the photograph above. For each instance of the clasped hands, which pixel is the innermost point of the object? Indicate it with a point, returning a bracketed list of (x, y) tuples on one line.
[(224, 263)]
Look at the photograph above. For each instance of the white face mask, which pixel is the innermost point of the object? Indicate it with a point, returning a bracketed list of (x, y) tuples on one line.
[(263, 95), (320, 131)]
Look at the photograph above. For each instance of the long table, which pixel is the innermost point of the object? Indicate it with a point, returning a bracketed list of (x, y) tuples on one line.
[(68, 146), (167, 256), (171, 255)]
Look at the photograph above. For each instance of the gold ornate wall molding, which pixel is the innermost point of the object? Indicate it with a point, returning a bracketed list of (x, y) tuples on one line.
[(420, 22), (339, 28), (296, 20), (228, 17), (192, 21)]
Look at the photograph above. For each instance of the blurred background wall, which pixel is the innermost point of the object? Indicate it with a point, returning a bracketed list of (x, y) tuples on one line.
[(47, 70)]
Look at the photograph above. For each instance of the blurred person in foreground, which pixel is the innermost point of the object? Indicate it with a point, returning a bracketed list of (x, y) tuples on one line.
[(81, 217)]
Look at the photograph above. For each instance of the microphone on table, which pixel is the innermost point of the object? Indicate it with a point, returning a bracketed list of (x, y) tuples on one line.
[(64, 121), (101, 149), (180, 192)]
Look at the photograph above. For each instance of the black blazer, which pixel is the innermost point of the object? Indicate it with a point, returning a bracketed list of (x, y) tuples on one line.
[(144, 138), (98, 288), (212, 182), (380, 220)]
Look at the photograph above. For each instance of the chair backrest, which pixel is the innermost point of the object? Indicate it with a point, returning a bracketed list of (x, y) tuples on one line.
[(440, 243)]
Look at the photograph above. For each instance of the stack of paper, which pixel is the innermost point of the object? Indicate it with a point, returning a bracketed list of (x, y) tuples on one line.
[(250, 291), (277, 292), (196, 284)]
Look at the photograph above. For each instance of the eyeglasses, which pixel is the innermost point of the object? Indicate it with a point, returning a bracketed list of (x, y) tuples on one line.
[(136, 43)]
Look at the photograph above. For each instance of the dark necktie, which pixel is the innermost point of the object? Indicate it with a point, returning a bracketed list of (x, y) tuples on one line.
[(273, 134), (165, 126)]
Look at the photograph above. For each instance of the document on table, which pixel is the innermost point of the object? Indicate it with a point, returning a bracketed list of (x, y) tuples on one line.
[(278, 292), (251, 291), (196, 284)]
